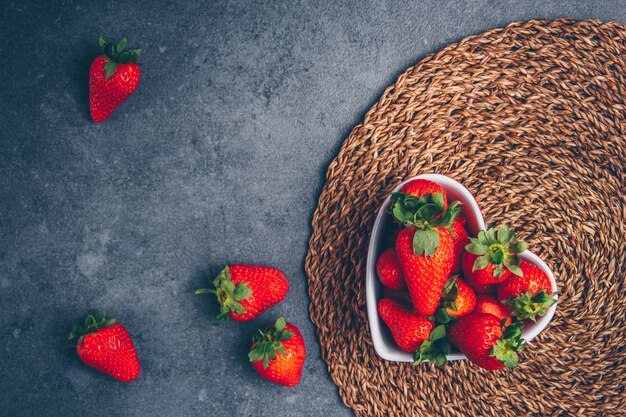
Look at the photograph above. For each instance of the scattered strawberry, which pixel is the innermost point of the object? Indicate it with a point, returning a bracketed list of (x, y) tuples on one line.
[(388, 270), (401, 296), (245, 291), (419, 188), (408, 328), (113, 77), (529, 295), (460, 239), (485, 342), (489, 305), (491, 259), (106, 346), (425, 246), (278, 353)]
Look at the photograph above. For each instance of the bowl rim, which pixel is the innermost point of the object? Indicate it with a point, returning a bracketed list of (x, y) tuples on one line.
[(373, 287)]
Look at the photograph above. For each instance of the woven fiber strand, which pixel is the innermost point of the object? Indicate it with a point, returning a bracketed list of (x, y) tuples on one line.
[(530, 118)]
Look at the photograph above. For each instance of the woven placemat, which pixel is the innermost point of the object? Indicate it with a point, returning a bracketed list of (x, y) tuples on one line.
[(530, 118)]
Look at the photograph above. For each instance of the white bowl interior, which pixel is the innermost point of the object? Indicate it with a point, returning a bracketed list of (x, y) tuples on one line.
[(383, 342)]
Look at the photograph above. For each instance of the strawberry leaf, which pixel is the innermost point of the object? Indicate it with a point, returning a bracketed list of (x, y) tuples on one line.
[(526, 306), (268, 342), (518, 247), (93, 322), (503, 234), (476, 248), (480, 263), (425, 242), (228, 294), (110, 68)]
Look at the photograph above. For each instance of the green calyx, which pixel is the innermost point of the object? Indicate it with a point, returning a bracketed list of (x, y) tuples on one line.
[(500, 248), (506, 347), (117, 54), (529, 306), (434, 349), (94, 321), (228, 294), (267, 342), (427, 213), (448, 300)]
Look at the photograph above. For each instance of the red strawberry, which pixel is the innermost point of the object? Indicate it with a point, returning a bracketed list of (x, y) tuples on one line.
[(106, 346), (113, 77), (530, 295), (425, 246), (491, 259), (401, 296), (426, 273), (462, 219), (278, 353), (489, 305), (460, 239), (388, 270), (465, 300), (458, 299), (408, 328), (245, 291), (482, 339), (419, 188)]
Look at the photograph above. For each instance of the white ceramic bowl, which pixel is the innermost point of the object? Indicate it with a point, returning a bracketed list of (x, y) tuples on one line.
[(383, 342)]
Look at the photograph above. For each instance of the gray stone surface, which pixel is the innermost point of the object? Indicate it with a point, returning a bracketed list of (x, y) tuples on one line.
[(218, 157)]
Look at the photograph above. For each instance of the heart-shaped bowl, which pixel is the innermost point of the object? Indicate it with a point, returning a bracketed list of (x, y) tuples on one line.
[(383, 341)]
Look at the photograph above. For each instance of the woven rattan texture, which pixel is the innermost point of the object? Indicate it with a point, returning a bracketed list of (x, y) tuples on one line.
[(530, 118)]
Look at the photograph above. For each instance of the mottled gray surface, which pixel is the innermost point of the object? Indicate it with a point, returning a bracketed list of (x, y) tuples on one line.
[(218, 157)]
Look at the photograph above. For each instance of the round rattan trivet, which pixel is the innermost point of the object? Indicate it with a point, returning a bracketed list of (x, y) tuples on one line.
[(531, 119)]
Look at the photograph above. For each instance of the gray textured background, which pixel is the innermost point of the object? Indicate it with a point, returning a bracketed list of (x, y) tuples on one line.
[(218, 157)]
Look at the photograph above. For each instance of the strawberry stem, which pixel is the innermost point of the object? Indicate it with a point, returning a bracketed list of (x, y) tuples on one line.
[(228, 294), (94, 321), (500, 248), (116, 54), (427, 213), (268, 342), (506, 347)]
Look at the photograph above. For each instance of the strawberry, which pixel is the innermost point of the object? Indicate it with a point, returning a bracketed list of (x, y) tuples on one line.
[(408, 328), (245, 291), (426, 273), (457, 300), (401, 296), (106, 346), (482, 338), (419, 188), (491, 259), (425, 246), (460, 239), (530, 295), (113, 77), (278, 353), (489, 305), (464, 302), (388, 270)]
